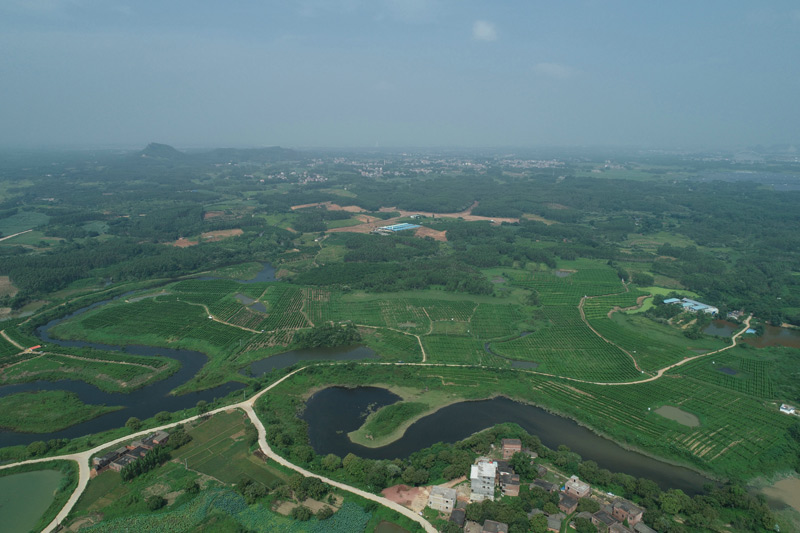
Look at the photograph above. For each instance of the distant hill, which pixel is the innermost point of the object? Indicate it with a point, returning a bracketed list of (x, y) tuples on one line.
[(161, 151)]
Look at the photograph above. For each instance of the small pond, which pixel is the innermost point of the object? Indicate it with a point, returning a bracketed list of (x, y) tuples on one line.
[(25, 497)]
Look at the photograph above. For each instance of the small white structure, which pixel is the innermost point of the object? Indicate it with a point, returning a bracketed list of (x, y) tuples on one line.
[(482, 477), (788, 409)]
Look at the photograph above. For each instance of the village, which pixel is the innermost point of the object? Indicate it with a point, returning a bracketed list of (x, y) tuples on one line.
[(121, 457), (494, 478)]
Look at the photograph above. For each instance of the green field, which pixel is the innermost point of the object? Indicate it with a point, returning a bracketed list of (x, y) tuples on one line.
[(46, 411), (218, 449)]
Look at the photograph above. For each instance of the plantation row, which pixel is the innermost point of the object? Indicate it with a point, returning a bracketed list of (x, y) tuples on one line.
[(751, 375)]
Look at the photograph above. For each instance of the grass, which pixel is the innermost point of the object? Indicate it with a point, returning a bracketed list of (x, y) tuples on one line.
[(23, 220), (46, 411), (387, 419), (109, 372)]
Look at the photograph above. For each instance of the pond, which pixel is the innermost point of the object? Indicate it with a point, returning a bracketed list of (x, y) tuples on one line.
[(25, 497), (333, 412), (773, 335)]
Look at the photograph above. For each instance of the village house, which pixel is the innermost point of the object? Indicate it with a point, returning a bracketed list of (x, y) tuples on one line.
[(458, 517), (787, 409), (509, 484), (482, 479), (603, 519), (510, 447), (553, 524), (577, 488), (544, 485), (442, 499), (624, 510), (490, 526), (125, 455), (567, 503)]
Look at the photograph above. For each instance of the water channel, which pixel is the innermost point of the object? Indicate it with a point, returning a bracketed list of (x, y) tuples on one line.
[(333, 412), (147, 401)]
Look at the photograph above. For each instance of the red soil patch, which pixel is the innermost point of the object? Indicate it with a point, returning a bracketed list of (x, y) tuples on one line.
[(402, 494), (184, 243), (221, 234), (434, 234), (212, 214)]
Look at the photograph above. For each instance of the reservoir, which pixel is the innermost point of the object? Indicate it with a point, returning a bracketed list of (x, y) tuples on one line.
[(333, 412), (25, 497)]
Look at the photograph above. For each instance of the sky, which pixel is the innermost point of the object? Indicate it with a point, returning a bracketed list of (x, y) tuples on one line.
[(399, 73)]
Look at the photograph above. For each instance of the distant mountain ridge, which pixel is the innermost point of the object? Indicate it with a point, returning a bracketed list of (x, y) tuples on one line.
[(165, 152)]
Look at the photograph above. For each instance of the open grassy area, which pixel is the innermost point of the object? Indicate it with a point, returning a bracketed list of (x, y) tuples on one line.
[(46, 411)]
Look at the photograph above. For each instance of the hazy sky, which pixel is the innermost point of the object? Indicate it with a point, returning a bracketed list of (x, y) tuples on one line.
[(399, 73)]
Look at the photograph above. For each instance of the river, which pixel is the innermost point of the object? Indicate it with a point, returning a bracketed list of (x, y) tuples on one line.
[(147, 401), (333, 412)]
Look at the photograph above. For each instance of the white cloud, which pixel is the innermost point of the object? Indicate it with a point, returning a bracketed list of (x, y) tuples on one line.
[(554, 70), (483, 30)]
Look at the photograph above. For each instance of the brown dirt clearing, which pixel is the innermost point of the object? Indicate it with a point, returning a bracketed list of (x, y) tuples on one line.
[(184, 243), (6, 287), (221, 234)]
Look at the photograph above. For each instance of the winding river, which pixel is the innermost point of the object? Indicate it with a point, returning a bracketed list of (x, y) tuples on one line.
[(333, 412), (147, 401)]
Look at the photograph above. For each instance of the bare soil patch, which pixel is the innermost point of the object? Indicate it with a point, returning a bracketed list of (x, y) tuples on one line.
[(678, 415), (184, 243), (212, 214), (436, 235), (6, 287), (415, 498), (221, 234)]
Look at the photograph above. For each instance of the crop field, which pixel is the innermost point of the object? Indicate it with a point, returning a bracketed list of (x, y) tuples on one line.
[(218, 449), (492, 321), (459, 350), (746, 375), (156, 323)]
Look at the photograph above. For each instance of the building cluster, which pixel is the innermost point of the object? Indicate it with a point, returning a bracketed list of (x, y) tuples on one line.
[(693, 305), (121, 457), (487, 476)]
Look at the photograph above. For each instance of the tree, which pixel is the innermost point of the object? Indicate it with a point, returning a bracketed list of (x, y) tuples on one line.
[(202, 407), (134, 424), (191, 487), (673, 501), (163, 417), (550, 508), (37, 447), (331, 462), (302, 513), (582, 525), (155, 502), (324, 513), (539, 523)]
